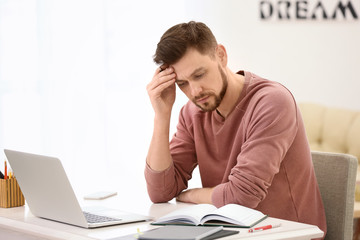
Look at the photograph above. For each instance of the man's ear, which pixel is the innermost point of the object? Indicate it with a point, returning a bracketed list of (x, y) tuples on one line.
[(221, 55)]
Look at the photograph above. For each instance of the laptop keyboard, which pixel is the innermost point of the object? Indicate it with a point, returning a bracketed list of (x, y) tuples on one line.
[(93, 218)]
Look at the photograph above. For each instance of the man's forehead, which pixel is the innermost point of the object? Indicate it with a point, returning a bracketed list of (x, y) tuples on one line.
[(192, 62), (180, 76)]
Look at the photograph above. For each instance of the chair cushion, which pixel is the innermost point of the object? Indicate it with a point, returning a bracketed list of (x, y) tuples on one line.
[(331, 129), (353, 137), (313, 116), (335, 130)]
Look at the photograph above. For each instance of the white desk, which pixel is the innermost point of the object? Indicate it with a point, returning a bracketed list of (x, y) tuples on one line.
[(21, 220)]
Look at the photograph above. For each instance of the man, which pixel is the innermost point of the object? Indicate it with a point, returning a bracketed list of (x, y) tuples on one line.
[(244, 132)]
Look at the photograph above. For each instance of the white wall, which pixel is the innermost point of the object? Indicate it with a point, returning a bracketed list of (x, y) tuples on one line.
[(73, 73)]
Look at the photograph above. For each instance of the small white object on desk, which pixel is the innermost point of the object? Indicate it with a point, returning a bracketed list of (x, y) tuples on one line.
[(99, 195)]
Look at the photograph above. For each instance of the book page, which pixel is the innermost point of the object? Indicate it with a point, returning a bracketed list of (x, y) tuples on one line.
[(235, 214), (192, 213)]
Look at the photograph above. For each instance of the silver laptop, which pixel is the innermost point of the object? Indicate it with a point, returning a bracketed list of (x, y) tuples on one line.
[(49, 194)]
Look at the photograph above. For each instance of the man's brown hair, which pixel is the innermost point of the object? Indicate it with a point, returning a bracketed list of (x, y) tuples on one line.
[(177, 39)]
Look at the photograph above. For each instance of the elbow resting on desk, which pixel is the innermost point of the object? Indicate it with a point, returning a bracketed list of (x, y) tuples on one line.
[(163, 186), (159, 197)]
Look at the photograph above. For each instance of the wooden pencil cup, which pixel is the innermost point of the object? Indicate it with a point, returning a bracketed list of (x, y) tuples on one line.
[(10, 193)]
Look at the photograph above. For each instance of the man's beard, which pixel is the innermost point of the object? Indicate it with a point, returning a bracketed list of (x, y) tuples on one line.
[(207, 106)]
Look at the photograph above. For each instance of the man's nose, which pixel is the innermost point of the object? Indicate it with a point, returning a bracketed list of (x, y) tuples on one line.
[(196, 89)]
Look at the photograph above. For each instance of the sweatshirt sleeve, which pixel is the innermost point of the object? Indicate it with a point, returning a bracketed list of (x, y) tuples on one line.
[(271, 127), (165, 185)]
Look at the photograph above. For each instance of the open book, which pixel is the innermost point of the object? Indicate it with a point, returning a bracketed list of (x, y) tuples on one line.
[(231, 215)]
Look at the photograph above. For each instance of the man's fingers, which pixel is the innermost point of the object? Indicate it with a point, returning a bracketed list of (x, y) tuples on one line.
[(184, 196), (161, 69), (161, 79), (160, 88)]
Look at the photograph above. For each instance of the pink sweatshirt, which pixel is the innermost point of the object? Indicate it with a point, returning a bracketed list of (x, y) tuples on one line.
[(257, 157)]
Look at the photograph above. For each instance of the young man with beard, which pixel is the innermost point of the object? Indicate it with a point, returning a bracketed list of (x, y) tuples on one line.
[(244, 132)]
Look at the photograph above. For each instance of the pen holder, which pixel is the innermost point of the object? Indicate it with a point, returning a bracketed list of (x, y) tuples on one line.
[(10, 193)]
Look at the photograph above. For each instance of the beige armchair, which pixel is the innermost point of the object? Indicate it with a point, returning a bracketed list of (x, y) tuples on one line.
[(331, 129)]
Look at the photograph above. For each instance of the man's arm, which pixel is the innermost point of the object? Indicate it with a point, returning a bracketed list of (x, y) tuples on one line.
[(196, 195), (171, 176), (161, 91), (164, 180)]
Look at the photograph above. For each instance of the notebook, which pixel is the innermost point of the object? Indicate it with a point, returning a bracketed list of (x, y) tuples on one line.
[(180, 233), (49, 194)]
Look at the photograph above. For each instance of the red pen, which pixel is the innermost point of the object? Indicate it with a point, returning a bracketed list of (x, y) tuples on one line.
[(5, 171), (257, 229)]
